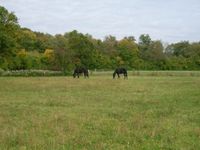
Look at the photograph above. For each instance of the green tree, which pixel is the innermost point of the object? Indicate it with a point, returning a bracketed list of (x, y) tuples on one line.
[(83, 49), (8, 30), (144, 42), (178, 49), (63, 54), (43, 42), (27, 39), (110, 46), (128, 51)]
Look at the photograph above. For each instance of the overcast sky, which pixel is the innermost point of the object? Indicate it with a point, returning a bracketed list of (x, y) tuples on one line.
[(169, 21)]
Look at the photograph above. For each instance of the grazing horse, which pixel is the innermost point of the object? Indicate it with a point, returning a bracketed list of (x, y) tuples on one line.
[(80, 70), (120, 71)]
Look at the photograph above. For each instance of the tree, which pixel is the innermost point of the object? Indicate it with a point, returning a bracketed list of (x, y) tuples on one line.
[(155, 51), (83, 49), (43, 41), (128, 51), (178, 49), (24, 60), (48, 58), (144, 42), (110, 46), (27, 39), (63, 54), (130, 38), (8, 30)]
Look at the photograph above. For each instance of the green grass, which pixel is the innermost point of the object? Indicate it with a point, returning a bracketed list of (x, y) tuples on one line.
[(57, 113), (151, 73)]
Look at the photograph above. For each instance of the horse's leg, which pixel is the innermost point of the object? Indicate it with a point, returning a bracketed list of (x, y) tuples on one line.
[(124, 75), (78, 75), (114, 75), (74, 75), (118, 75)]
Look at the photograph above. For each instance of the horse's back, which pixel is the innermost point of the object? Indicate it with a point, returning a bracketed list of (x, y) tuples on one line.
[(120, 70), (80, 70)]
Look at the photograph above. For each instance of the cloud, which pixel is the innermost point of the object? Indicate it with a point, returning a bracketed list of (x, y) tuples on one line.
[(171, 21)]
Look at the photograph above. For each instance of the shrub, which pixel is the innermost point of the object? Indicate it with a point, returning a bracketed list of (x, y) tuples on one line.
[(1, 71), (32, 73)]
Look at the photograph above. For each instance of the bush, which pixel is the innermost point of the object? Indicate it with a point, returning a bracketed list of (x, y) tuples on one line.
[(32, 73), (1, 71)]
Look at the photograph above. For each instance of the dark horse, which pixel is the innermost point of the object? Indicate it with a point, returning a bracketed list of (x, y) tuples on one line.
[(80, 70), (120, 71)]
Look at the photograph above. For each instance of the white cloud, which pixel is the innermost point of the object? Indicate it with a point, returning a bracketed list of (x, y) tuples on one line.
[(171, 21)]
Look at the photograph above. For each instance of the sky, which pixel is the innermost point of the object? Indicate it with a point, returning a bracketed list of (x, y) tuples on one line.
[(170, 21)]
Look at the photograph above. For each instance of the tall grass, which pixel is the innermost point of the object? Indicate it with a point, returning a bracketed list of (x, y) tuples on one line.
[(25, 73), (150, 73), (143, 112)]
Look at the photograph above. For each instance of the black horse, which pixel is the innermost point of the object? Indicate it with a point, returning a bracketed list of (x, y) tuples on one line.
[(120, 71), (80, 70)]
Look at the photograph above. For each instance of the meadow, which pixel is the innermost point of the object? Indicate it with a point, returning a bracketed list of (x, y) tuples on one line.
[(58, 113)]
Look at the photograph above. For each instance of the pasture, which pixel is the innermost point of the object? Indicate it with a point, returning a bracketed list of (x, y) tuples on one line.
[(57, 113)]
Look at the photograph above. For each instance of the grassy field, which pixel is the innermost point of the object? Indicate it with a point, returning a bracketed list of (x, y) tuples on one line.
[(58, 113), (151, 73)]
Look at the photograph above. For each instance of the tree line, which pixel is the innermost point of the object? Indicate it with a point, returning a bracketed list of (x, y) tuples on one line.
[(22, 48)]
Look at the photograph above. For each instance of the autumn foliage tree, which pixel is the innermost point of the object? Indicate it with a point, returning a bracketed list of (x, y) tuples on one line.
[(22, 48)]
